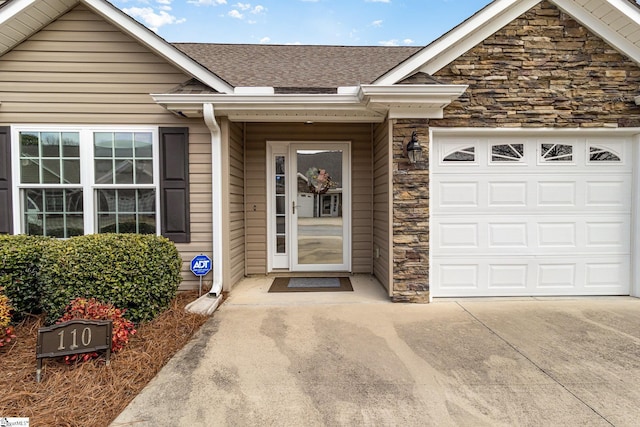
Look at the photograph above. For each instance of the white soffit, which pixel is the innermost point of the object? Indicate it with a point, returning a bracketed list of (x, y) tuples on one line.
[(20, 19)]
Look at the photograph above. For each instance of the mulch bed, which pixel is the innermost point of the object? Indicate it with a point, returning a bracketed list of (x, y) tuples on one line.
[(91, 393)]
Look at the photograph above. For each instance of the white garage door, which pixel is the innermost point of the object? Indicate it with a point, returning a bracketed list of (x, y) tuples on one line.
[(530, 216)]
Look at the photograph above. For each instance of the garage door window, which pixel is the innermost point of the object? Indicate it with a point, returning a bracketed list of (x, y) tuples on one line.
[(601, 154), (556, 153), (467, 154), (507, 153)]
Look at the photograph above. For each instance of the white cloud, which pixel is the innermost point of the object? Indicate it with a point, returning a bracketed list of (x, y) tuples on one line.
[(152, 19), (258, 9), (265, 40), (167, 2), (235, 14), (392, 42), (293, 44), (377, 23), (408, 41), (207, 2), (243, 6)]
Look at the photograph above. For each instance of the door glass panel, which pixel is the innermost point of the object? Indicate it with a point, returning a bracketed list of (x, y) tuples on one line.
[(280, 203), (319, 207)]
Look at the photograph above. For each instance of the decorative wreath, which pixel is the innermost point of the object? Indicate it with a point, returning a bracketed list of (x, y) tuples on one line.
[(319, 180)]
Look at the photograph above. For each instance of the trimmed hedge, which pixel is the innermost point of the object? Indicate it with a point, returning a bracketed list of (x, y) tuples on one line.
[(19, 264), (135, 272)]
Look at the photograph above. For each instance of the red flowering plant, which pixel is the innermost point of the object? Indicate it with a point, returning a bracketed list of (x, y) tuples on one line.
[(92, 309), (7, 333)]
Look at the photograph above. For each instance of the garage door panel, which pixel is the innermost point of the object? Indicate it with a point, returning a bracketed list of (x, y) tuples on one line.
[(507, 194), (557, 193), (608, 193), (535, 227), (537, 234)]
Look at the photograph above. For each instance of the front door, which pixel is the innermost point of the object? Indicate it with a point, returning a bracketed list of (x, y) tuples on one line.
[(309, 207)]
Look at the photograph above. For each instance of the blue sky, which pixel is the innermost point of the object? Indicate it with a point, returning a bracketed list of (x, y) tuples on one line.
[(330, 22)]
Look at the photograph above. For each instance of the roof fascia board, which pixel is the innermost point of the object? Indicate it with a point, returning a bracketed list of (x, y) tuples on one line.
[(457, 41), (623, 45), (158, 45), (12, 9)]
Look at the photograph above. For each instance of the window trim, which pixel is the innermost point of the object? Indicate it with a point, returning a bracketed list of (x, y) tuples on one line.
[(87, 165)]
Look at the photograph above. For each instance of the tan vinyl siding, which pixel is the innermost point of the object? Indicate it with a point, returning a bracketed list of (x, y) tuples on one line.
[(235, 224), (257, 134), (381, 204), (104, 79)]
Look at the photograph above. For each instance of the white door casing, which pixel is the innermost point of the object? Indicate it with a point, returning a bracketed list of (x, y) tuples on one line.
[(530, 215), (288, 209)]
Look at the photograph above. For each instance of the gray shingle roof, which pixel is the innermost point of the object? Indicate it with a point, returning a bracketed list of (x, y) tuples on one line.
[(296, 66)]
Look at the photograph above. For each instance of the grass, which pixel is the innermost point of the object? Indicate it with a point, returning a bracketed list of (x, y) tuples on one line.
[(89, 394)]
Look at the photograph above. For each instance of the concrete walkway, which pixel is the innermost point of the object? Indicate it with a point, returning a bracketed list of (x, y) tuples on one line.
[(352, 360)]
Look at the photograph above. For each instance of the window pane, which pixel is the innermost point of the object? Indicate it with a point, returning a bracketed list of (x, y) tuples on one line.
[(147, 224), (147, 201), (279, 184), (106, 200), (73, 201), (123, 144), (50, 144), (30, 171), (75, 225), (124, 172), (280, 225), (33, 224), (54, 225), (280, 205), (143, 144), (104, 171), (102, 144), (126, 201), (54, 201), (70, 144), (465, 155), (127, 223), (51, 171), (280, 165), (106, 223), (71, 171), (29, 144), (144, 172), (281, 244)]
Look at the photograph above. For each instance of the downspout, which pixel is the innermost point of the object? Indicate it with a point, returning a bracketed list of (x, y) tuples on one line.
[(216, 196)]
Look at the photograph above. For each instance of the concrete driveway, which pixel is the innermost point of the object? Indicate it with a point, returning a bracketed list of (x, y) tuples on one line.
[(483, 362)]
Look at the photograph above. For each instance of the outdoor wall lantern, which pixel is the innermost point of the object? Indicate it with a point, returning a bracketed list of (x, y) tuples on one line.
[(414, 150)]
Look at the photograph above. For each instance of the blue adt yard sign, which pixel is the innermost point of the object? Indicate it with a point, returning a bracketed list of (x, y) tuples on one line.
[(200, 265)]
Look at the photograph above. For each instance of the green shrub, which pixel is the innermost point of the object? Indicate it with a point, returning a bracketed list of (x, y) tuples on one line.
[(19, 263), (134, 272)]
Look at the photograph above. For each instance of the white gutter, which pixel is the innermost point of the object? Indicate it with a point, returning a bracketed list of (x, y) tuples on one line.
[(216, 196)]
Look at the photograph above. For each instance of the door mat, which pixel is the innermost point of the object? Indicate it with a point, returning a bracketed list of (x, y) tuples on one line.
[(311, 284)]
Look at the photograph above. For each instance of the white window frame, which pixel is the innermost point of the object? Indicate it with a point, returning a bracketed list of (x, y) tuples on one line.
[(87, 165)]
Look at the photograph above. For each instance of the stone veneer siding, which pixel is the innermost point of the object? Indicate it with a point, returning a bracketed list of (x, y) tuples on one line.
[(543, 69)]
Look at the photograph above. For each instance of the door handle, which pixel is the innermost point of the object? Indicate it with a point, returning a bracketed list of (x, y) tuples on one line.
[(293, 205)]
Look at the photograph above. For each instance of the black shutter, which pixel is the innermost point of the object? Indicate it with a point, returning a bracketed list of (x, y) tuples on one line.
[(6, 207), (174, 184)]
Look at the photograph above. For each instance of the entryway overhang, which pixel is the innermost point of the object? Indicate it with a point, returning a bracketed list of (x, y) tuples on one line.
[(361, 104)]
